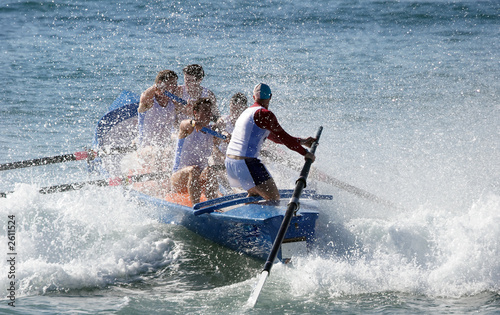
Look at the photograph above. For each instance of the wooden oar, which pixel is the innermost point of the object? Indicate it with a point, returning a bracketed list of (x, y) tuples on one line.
[(292, 207), (116, 181), (77, 156), (318, 175)]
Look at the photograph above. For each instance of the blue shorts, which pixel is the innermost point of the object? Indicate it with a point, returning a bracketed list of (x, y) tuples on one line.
[(246, 173)]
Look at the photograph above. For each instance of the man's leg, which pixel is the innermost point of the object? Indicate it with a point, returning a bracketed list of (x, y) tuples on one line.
[(267, 190), (187, 180), (208, 179)]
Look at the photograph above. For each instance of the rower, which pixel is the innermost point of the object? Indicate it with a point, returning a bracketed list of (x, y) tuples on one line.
[(191, 173), (192, 90), (255, 124)]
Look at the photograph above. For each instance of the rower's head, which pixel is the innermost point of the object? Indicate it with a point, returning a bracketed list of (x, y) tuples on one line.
[(202, 109), (193, 74), (237, 104), (166, 80), (262, 94)]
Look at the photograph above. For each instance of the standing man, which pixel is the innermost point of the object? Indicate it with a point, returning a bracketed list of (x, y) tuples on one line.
[(254, 125)]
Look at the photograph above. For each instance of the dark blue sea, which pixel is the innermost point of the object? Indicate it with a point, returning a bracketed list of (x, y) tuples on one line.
[(408, 93)]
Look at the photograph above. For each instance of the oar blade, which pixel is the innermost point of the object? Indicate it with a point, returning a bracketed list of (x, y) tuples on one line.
[(292, 207), (252, 300)]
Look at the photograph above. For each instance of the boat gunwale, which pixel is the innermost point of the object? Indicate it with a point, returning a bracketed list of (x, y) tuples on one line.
[(226, 215)]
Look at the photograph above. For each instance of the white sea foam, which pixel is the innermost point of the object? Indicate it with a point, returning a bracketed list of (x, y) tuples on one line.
[(430, 252), (83, 240)]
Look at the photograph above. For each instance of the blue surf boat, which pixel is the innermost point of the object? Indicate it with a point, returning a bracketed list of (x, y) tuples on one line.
[(234, 221)]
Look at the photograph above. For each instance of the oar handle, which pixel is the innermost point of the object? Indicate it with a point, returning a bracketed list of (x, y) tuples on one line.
[(316, 143), (213, 133), (175, 98), (307, 165)]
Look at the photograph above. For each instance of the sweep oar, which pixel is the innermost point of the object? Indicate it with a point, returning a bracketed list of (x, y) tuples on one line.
[(116, 181), (77, 156), (352, 189), (292, 207), (318, 175)]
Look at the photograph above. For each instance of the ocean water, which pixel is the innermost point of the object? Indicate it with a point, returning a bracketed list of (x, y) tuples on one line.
[(408, 93)]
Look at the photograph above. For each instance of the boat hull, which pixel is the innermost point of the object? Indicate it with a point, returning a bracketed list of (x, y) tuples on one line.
[(249, 229)]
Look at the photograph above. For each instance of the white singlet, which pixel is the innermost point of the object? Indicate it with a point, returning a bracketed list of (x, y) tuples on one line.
[(195, 149), (156, 126), (247, 137)]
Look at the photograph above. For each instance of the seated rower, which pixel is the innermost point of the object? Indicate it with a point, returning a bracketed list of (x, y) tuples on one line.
[(191, 172), (192, 90), (158, 112), (237, 105), (157, 118)]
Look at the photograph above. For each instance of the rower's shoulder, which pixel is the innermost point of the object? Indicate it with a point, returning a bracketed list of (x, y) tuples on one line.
[(149, 92)]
